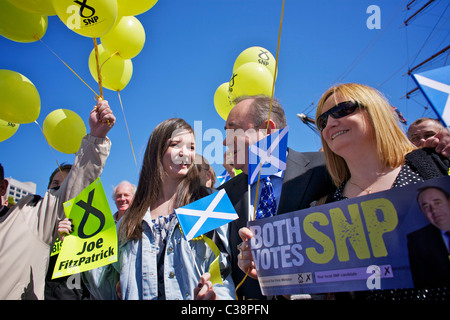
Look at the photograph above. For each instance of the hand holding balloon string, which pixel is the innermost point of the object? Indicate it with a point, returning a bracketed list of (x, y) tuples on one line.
[(101, 119)]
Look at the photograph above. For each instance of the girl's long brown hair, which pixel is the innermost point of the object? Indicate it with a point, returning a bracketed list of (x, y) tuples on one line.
[(151, 177)]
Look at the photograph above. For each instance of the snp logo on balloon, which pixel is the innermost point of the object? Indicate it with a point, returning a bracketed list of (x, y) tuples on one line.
[(264, 57), (87, 17), (81, 11), (84, 7), (84, 10)]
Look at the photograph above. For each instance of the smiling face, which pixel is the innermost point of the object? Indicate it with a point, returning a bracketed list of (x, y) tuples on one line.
[(179, 155), (370, 132), (420, 132), (123, 197), (241, 133), (344, 134)]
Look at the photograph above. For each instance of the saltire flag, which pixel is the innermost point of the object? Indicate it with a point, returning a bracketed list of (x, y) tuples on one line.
[(206, 214), (435, 86), (224, 177), (268, 154)]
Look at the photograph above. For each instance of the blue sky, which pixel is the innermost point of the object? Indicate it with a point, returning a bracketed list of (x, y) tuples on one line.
[(190, 50)]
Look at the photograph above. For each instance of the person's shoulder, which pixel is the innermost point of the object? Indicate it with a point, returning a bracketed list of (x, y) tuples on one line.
[(427, 162), (206, 191), (314, 157), (424, 153), (240, 179), (422, 232)]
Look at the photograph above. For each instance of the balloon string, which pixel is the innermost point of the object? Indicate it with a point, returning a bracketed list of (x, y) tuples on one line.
[(270, 111), (271, 103), (68, 67), (48, 145), (126, 124), (276, 63), (99, 74), (108, 59), (240, 284)]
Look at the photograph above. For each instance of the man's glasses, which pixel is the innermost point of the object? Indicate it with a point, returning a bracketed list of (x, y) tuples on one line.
[(340, 110)]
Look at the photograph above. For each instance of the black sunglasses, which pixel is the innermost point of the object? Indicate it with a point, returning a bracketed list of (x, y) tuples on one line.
[(340, 110)]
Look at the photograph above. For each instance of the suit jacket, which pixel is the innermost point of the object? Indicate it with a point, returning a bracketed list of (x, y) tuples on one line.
[(428, 257), (305, 180)]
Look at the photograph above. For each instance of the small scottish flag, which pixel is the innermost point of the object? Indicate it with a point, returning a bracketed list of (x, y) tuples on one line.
[(435, 86), (224, 177), (269, 154), (206, 214)]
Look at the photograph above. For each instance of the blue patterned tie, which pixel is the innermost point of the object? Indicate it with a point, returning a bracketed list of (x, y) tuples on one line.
[(267, 203)]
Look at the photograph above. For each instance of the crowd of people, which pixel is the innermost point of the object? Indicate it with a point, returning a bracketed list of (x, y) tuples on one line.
[(364, 151)]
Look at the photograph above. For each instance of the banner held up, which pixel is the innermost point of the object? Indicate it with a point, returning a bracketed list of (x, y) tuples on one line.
[(93, 242)]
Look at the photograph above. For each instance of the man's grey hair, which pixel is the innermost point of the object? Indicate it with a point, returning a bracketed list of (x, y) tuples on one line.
[(133, 188), (261, 107)]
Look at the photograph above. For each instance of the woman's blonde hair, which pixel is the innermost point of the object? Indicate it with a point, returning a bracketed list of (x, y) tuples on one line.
[(391, 142)]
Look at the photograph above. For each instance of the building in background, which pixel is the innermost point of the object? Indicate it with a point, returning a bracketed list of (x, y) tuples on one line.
[(17, 189)]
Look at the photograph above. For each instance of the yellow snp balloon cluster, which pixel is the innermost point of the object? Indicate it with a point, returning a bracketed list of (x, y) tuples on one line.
[(122, 38), (253, 74), (20, 102)]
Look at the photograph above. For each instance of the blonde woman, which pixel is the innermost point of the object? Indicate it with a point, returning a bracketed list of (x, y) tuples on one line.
[(366, 151)]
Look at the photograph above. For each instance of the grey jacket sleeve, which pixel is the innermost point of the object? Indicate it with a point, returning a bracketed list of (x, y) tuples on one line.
[(87, 167)]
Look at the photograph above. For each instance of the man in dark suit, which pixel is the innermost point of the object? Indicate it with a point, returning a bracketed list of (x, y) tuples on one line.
[(428, 247), (304, 180)]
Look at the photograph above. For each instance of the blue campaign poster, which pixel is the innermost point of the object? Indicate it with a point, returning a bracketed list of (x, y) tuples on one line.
[(358, 244)]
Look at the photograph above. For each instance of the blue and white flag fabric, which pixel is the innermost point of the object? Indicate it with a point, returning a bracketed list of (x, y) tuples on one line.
[(435, 86), (206, 214), (224, 177), (268, 154)]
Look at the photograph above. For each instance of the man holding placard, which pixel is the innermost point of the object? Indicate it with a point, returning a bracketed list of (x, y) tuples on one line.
[(28, 230)]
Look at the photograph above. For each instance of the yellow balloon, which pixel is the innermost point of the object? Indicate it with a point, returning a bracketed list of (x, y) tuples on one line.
[(20, 25), (20, 101), (134, 7), (116, 72), (64, 130), (127, 38), (250, 79), (222, 101), (7, 129), (256, 54), (44, 7), (89, 18)]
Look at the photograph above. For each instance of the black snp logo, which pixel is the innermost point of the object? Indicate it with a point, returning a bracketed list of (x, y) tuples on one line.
[(83, 10)]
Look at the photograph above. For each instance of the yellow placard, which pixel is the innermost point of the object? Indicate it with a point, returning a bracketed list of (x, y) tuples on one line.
[(56, 247), (93, 242)]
